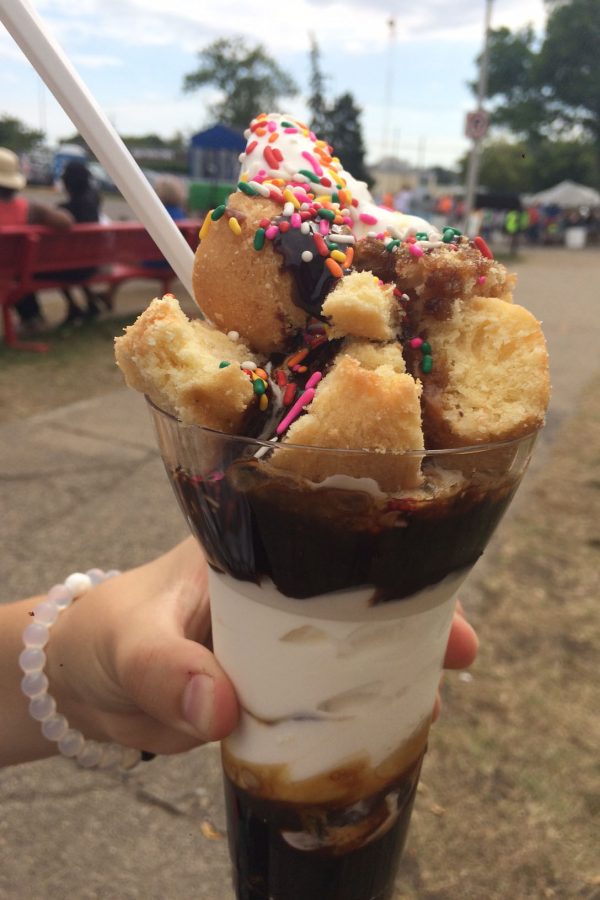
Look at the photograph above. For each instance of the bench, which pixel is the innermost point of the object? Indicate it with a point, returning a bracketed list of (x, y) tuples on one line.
[(33, 257)]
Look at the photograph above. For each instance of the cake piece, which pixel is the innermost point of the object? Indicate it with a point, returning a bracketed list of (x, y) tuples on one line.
[(361, 306), (356, 408), (187, 368), (490, 378), (372, 355)]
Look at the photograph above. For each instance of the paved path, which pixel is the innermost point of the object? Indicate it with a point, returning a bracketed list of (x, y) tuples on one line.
[(83, 486)]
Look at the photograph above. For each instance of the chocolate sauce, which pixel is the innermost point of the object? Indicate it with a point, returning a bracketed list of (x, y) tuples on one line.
[(262, 424), (340, 867), (254, 523), (312, 279)]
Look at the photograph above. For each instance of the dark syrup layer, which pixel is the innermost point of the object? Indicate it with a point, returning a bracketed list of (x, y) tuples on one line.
[(360, 847), (255, 524)]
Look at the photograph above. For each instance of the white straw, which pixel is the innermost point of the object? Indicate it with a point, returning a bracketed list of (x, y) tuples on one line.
[(48, 58)]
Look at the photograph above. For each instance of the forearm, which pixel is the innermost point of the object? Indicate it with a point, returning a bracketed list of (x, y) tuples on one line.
[(21, 739)]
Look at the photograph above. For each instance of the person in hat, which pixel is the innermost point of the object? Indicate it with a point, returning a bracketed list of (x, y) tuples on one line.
[(18, 210)]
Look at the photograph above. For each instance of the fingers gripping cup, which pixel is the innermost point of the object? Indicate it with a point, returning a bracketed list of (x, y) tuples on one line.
[(331, 601)]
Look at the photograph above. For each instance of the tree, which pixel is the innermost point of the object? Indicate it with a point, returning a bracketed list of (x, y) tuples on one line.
[(505, 167), (250, 81), (550, 90), (514, 167), (337, 122), (316, 100), (555, 161), (569, 63), (76, 139), (17, 136), (344, 133), (513, 82)]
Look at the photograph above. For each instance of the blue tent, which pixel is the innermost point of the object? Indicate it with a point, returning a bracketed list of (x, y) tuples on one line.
[(214, 153)]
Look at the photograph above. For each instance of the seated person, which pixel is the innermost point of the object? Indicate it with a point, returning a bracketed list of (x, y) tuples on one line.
[(171, 192), (18, 210), (83, 204)]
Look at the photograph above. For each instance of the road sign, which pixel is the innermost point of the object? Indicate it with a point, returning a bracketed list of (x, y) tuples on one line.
[(476, 124)]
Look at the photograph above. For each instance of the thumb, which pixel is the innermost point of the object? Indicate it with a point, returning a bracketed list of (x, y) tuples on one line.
[(180, 683)]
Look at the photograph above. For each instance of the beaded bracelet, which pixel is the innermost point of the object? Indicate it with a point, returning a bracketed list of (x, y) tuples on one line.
[(42, 707)]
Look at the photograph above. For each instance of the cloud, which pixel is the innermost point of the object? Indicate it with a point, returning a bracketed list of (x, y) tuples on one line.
[(126, 48), (98, 61), (8, 48), (350, 26)]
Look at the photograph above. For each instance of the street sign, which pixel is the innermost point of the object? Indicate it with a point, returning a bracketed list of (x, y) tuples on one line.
[(476, 124)]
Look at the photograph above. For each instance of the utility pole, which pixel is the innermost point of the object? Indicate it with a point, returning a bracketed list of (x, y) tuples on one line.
[(477, 122), (388, 93)]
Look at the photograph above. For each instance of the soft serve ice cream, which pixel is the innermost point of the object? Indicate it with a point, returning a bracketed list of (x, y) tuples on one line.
[(298, 155)]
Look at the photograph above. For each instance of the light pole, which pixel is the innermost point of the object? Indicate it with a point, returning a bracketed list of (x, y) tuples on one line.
[(477, 122), (388, 91)]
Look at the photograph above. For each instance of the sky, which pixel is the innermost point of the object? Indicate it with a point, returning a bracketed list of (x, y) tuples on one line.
[(133, 55)]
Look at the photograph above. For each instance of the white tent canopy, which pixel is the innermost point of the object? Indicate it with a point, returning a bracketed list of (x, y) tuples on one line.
[(567, 194)]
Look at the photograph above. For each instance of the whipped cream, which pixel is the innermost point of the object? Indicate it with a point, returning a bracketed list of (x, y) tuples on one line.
[(330, 678), (281, 147)]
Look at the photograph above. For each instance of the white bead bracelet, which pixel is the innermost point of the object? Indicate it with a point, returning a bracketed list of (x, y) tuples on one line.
[(34, 684)]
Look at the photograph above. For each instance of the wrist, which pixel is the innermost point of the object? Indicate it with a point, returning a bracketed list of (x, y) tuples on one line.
[(52, 658)]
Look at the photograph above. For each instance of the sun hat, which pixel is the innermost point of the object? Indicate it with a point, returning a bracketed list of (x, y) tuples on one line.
[(10, 173)]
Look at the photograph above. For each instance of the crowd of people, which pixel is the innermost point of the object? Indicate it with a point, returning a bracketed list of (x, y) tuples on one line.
[(534, 224), (82, 203)]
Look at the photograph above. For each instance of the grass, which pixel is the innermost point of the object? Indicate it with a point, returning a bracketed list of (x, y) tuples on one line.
[(80, 364)]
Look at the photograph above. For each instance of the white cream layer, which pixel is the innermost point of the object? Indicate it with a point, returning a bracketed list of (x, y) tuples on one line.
[(329, 678)]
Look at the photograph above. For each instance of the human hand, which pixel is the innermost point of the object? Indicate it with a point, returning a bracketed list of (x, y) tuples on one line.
[(130, 662), (461, 651)]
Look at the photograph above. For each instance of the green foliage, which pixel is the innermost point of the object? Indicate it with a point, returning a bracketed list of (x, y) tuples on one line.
[(555, 161), (18, 137), (77, 139), (547, 94), (316, 100), (337, 122), (569, 62), (505, 167), (154, 141), (344, 132), (516, 167), (249, 80)]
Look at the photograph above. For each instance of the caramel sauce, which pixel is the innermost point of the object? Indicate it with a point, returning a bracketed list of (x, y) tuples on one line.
[(345, 784)]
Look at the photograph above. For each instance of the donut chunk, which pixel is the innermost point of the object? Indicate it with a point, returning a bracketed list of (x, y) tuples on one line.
[(490, 380), (361, 306), (432, 281), (242, 289), (176, 363), (386, 417), (452, 274)]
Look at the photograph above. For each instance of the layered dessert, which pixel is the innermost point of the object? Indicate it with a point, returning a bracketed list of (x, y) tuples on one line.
[(343, 431)]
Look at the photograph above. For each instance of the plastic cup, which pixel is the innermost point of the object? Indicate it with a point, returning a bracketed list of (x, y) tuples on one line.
[(331, 604)]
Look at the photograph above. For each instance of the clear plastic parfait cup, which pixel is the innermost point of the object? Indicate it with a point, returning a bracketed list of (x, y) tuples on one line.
[(333, 577)]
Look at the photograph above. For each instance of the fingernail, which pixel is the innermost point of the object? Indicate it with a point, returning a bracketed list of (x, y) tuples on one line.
[(198, 704)]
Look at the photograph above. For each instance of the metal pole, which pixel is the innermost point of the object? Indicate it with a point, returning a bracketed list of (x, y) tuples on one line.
[(388, 91), (475, 155)]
